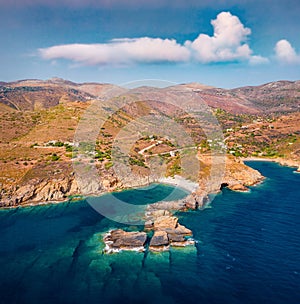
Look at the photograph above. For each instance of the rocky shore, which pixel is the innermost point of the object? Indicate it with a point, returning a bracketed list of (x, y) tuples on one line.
[(57, 183), (162, 226), (162, 229)]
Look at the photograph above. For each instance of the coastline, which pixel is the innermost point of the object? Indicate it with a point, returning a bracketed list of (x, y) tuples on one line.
[(27, 205), (281, 161), (160, 220), (176, 181), (54, 255)]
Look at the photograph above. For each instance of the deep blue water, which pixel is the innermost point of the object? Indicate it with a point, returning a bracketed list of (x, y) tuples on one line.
[(248, 251)]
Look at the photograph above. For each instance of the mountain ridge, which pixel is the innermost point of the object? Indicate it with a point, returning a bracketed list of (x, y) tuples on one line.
[(274, 97)]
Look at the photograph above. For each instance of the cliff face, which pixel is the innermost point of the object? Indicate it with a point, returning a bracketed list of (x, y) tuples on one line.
[(51, 183), (42, 191), (57, 182), (238, 176), (42, 183)]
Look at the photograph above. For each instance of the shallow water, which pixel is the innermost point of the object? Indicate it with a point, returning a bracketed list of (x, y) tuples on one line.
[(247, 252)]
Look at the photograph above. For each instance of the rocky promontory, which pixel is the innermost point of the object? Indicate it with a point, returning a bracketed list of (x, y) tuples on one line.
[(231, 173)]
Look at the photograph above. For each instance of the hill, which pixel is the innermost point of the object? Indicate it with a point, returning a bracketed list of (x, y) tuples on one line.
[(29, 95), (275, 97)]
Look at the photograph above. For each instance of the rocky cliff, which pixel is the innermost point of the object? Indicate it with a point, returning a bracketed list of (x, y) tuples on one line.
[(57, 182), (223, 172)]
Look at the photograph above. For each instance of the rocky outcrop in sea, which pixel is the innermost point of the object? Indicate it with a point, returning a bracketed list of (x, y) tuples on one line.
[(161, 225)]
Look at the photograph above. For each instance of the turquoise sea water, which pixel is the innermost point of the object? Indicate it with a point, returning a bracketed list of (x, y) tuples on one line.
[(248, 251)]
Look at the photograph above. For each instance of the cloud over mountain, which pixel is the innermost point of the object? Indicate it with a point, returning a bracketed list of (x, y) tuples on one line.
[(120, 52), (228, 43), (285, 53)]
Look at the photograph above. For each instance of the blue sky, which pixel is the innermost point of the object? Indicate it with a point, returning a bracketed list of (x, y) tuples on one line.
[(222, 43)]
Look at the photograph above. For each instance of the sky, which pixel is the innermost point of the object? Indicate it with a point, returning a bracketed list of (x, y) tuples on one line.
[(223, 43)]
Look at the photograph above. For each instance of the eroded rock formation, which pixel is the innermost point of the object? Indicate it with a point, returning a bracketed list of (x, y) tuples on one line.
[(167, 231), (119, 239)]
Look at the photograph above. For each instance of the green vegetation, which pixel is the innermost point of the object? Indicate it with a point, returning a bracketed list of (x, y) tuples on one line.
[(100, 155), (137, 162), (55, 157), (55, 144), (108, 165), (68, 147), (176, 169), (238, 153)]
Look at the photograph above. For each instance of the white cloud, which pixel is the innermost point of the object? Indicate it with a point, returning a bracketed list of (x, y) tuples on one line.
[(256, 59), (227, 44), (285, 53), (120, 52)]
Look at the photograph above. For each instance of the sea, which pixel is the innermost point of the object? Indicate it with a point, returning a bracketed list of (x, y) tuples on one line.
[(247, 250)]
